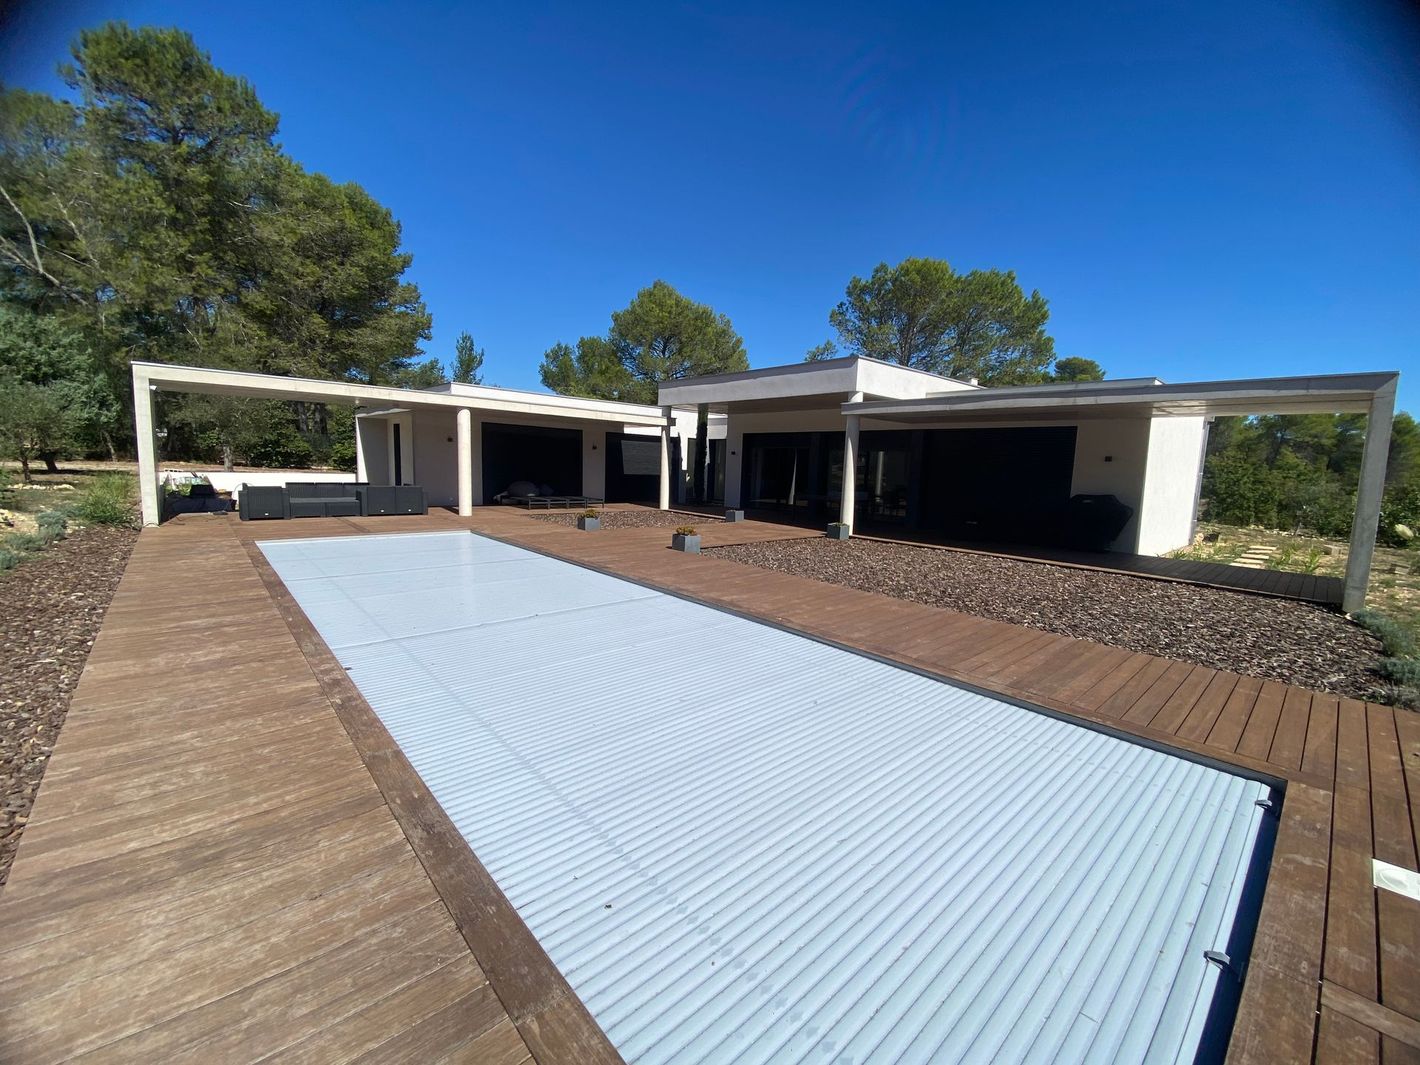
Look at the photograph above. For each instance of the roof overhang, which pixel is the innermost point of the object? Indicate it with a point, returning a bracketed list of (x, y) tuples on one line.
[(164, 377), (826, 384), (1329, 394)]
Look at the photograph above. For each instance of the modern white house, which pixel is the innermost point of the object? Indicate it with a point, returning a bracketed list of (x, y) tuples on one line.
[(852, 440)]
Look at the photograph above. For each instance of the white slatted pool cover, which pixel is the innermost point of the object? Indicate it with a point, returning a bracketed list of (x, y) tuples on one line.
[(742, 845)]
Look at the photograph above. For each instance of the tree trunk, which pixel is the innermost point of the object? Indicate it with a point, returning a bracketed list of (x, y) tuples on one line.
[(108, 443), (25, 474), (51, 464), (227, 457)]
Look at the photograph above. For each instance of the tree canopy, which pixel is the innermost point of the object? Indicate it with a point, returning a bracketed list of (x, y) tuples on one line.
[(660, 336), (468, 361), (1074, 368), (922, 313), (1299, 472), (157, 218)]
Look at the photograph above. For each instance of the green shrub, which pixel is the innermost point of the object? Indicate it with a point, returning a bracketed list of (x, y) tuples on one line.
[(8, 559), (1397, 641), (1404, 672), (108, 500), (25, 543), (283, 449), (52, 524)]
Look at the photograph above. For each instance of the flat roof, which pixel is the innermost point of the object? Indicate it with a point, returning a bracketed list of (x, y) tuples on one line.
[(882, 866), (822, 383), (169, 377), (1332, 393)]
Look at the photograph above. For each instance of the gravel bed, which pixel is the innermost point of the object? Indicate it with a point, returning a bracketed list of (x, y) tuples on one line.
[(1277, 639), (632, 519), (50, 611)]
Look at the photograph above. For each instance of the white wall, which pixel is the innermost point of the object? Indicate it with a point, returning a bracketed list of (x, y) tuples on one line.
[(372, 450), (436, 457), (1110, 459), (1170, 496)]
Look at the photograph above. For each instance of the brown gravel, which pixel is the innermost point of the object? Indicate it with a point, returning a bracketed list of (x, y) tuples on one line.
[(1277, 639), (50, 611), (632, 519)]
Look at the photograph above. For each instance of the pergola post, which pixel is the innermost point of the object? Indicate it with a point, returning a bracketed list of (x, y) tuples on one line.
[(1374, 455), (664, 501), (465, 446), (850, 467), (149, 497)]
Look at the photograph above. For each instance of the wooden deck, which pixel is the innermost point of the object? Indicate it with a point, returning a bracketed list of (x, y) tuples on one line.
[(212, 873), (229, 860)]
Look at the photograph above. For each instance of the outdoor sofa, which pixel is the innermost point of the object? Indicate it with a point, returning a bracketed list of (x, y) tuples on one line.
[(535, 497), (340, 499)]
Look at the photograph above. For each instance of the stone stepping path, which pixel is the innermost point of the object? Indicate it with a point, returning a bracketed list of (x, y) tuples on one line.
[(1255, 557)]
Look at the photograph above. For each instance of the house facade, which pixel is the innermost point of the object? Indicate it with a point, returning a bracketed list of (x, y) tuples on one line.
[(958, 475), (1108, 465)]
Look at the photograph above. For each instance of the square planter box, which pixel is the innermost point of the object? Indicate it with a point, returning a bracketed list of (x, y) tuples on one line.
[(689, 544), (734, 515), (589, 524), (838, 532)]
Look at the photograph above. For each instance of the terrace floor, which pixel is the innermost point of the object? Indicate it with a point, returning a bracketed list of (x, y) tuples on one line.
[(229, 859)]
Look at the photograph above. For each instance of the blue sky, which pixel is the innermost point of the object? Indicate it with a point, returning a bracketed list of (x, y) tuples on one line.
[(1200, 189)]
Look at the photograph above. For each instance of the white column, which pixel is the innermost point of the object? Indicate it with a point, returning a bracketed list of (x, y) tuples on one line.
[(665, 497), (149, 496), (1374, 456), (465, 446), (850, 466), (362, 467)]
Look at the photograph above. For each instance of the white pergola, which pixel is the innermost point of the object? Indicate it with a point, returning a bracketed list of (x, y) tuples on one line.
[(1372, 394), (152, 377)]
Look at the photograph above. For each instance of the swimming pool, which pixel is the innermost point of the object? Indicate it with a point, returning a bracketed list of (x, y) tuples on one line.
[(741, 844)]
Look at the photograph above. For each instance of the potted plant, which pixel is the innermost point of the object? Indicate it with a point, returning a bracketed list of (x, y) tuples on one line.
[(838, 531), (589, 521), (686, 539), (734, 515)]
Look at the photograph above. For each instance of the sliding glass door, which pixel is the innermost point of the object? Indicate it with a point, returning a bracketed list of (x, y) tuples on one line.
[(779, 476)]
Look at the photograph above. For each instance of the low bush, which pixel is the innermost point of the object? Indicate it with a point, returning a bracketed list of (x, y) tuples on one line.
[(685, 530), (108, 500), (1403, 672), (25, 543), (8, 559), (52, 524), (1397, 641)]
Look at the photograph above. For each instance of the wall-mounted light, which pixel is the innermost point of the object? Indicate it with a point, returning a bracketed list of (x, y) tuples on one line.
[(594, 447), (1109, 458)]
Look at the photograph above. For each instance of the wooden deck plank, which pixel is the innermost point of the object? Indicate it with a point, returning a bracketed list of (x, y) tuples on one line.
[(1228, 729), (1343, 1041), (1204, 714), (1350, 959), (1289, 742), (1397, 918), (1319, 754), (1261, 727)]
